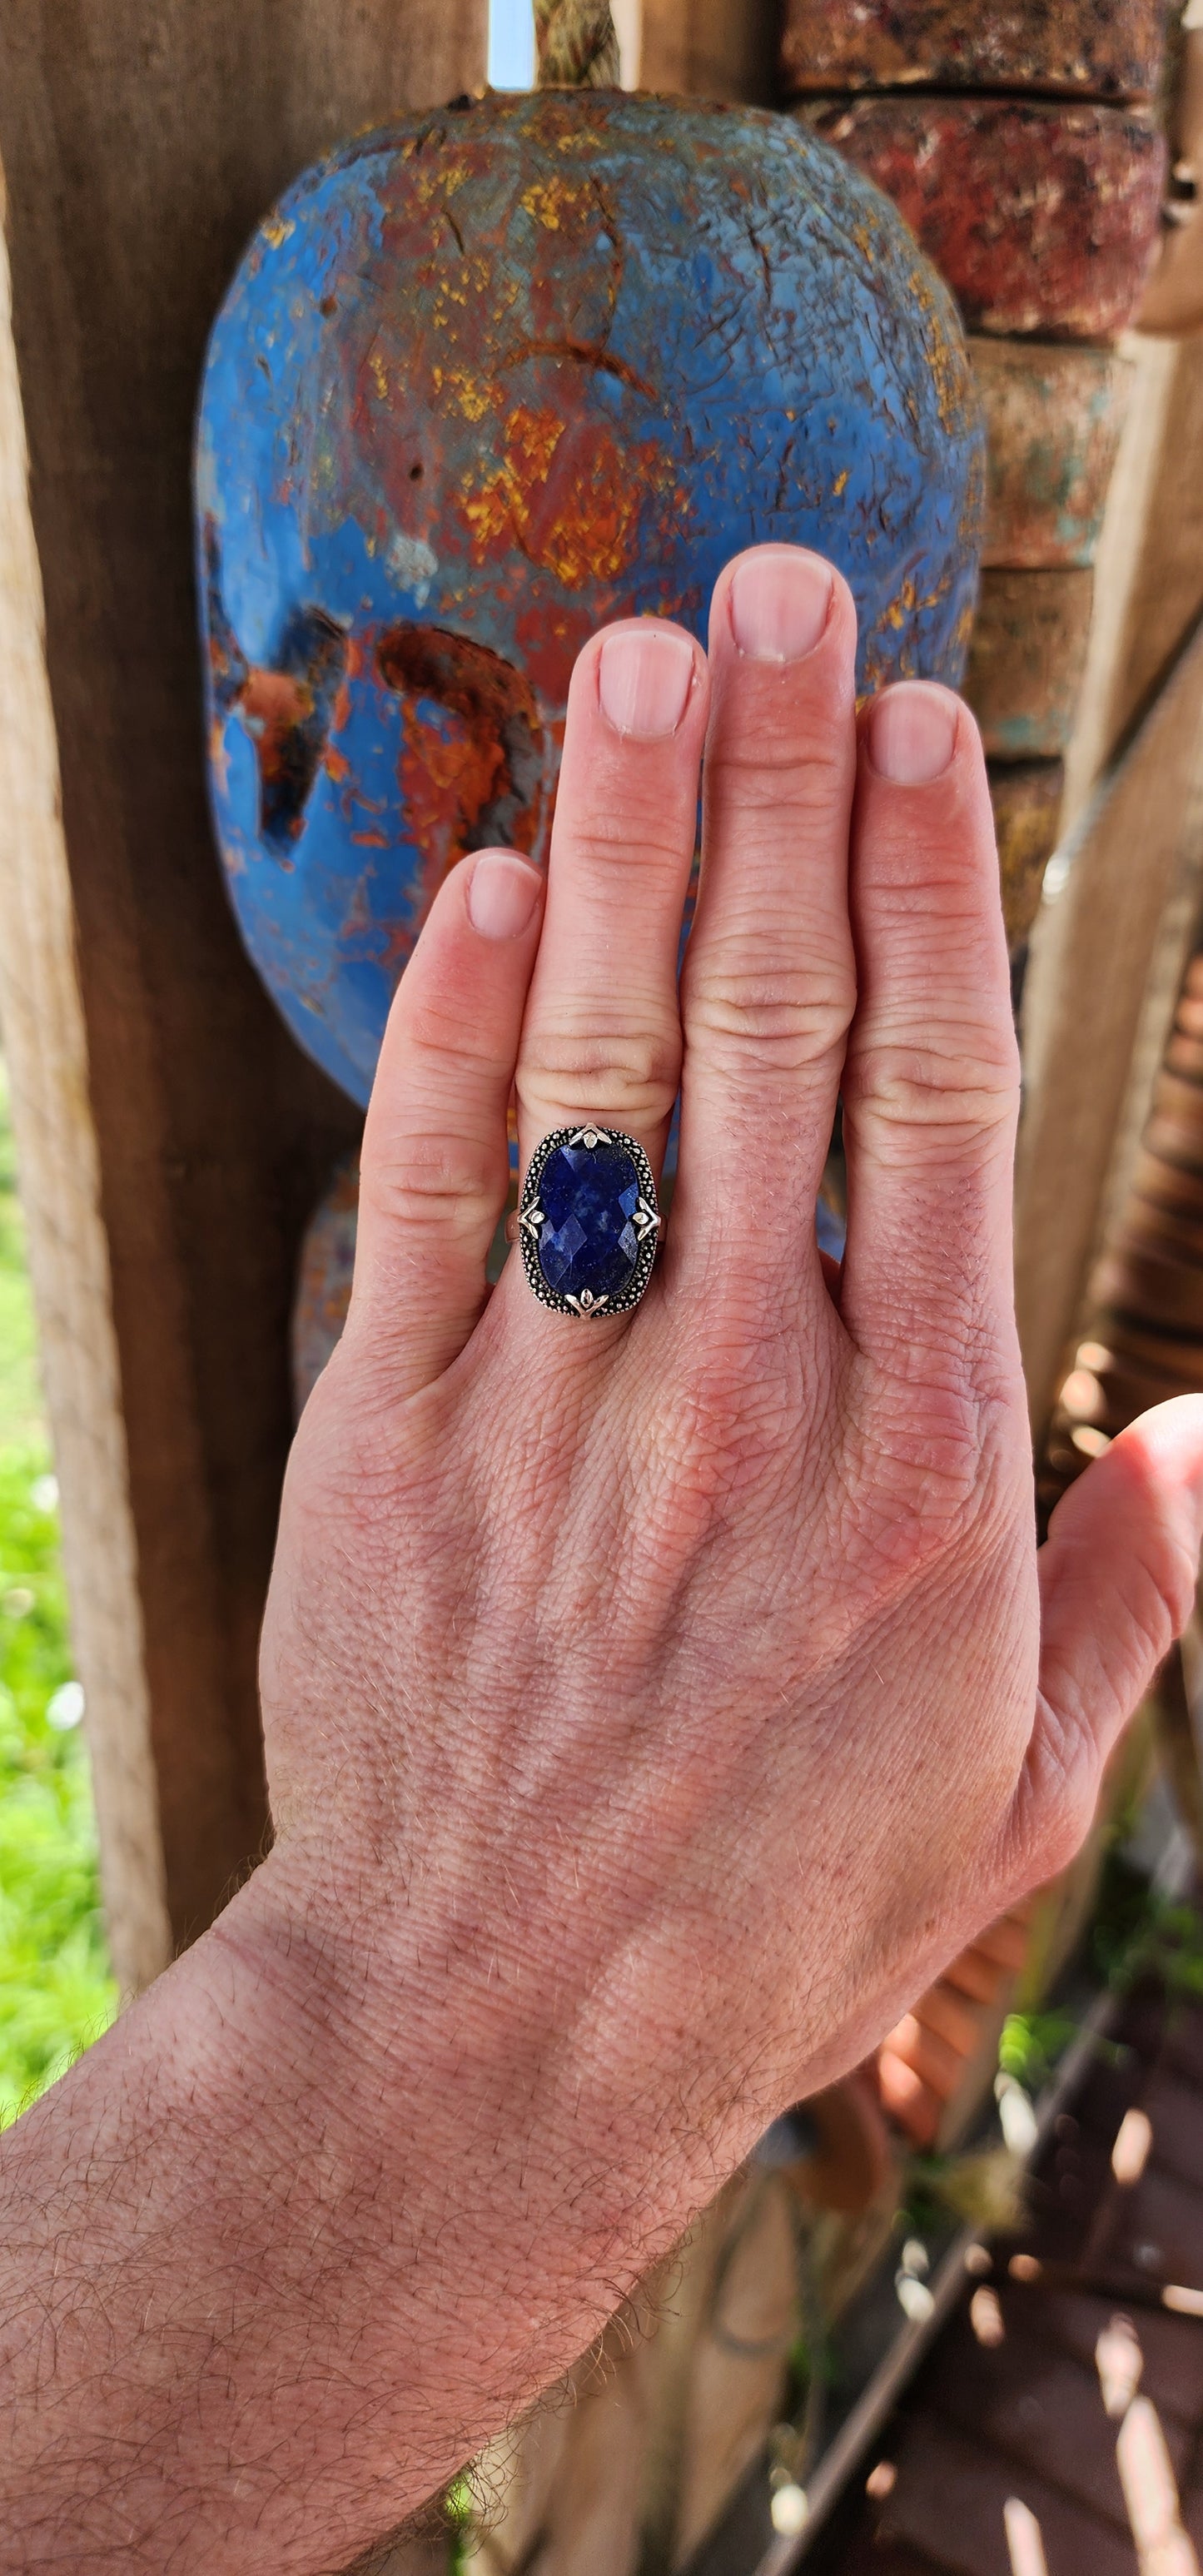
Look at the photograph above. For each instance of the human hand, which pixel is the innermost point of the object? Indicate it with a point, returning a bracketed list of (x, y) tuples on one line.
[(653, 1704)]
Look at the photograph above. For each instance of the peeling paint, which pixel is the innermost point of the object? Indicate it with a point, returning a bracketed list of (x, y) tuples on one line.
[(415, 565)]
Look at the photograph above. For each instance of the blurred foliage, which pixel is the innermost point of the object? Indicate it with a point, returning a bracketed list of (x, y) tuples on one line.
[(463, 2511), (1142, 1936), (1031, 2045), (56, 1993)]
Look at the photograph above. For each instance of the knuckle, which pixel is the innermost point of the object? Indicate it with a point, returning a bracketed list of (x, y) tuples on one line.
[(1059, 1795), (632, 1073), (954, 1085), (1172, 1574), (758, 758), (748, 1001), (929, 1496), (436, 1181), (447, 1041), (636, 840)]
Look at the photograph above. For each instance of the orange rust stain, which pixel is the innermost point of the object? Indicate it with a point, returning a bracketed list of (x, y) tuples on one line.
[(337, 764), (275, 705), (566, 494), (552, 201), (219, 758), (473, 771), (474, 395)]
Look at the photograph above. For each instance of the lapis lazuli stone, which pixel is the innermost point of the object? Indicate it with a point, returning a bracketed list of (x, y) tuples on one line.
[(589, 1194)]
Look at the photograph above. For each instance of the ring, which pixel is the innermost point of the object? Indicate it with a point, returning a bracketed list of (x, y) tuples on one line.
[(588, 1221)]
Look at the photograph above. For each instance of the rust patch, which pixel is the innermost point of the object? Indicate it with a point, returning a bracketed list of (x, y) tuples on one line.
[(566, 493), (472, 762), (1041, 216), (1078, 48)]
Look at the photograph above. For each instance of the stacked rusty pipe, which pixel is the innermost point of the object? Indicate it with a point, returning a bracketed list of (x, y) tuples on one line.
[(1023, 147)]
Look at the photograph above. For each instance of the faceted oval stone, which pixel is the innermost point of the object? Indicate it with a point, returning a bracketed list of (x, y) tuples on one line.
[(588, 1195)]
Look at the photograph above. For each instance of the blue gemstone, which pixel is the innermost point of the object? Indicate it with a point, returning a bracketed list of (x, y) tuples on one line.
[(589, 1194)]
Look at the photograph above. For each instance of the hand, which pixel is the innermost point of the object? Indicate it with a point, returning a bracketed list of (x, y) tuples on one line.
[(653, 1704), (668, 1690)]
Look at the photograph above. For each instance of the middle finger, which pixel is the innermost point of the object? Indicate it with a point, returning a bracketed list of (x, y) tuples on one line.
[(770, 982)]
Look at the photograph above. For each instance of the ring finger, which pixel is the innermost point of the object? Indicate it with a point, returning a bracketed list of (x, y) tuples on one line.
[(601, 1038)]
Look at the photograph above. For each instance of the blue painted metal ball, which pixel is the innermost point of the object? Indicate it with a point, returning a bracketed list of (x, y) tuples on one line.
[(490, 377)]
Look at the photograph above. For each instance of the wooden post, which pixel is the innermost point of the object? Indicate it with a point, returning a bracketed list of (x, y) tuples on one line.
[(710, 48), (1133, 879), (1149, 574), (141, 145), (42, 1019)]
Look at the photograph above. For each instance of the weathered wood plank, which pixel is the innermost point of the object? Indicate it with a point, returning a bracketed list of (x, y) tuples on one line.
[(1042, 217), (1149, 567), (710, 48), (1134, 866), (141, 145), (1109, 49), (1174, 297), (41, 1014)]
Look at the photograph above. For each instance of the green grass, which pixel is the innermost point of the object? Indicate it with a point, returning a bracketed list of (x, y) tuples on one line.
[(56, 1993)]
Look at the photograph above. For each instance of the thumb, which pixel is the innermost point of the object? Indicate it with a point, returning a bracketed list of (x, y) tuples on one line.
[(1117, 1581)]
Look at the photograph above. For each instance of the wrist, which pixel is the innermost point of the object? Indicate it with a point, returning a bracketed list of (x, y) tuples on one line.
[(449, 2082)]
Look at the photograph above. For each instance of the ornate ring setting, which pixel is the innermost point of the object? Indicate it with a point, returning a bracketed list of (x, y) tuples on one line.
[(588, 1221)]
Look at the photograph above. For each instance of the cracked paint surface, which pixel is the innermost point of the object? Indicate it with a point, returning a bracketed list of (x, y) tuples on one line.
[(485, 379)]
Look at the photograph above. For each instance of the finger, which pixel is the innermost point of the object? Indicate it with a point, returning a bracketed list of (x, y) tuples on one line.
[(769, 983), (435, 1166), (931, 1080), (974, 1975), (929, 2056), (996, 1954), (601, 1039), (946, 2012), (913, 2103), (1117, 1581)]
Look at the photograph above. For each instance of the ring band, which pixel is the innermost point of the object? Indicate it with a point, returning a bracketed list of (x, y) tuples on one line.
[(588, 1221)]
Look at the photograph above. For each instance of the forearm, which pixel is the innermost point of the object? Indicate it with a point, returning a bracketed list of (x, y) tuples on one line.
[(270, 2272)]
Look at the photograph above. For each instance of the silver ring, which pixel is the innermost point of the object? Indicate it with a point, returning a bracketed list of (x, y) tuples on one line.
[(588, 1221)]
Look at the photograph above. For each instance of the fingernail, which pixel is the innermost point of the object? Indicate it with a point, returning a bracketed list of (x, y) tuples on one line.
[(644, 679), (912, 730), (780, 603), (502, 893)]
